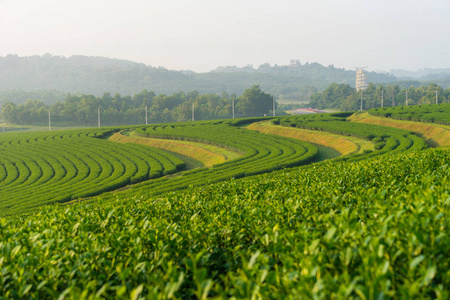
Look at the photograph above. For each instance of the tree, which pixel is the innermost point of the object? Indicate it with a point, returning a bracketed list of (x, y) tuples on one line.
[(9, 112), (254, 102), (352, 102)]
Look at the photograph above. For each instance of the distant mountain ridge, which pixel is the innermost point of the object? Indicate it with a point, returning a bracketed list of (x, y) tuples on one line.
[(97, 75), (424, 74)]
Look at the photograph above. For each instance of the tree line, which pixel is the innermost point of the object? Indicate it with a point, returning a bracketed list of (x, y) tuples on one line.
[(146, 106), (346, 98)]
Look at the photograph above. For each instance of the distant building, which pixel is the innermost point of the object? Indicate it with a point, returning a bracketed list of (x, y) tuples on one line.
[(294, 63), (361, 80)]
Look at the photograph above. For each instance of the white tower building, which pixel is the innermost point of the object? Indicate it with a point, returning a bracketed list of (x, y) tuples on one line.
[(361, 79)]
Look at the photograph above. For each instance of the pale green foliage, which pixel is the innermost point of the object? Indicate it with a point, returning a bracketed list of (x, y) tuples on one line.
[(373, 229)]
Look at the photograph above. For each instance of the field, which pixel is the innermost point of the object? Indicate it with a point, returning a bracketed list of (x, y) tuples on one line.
[(431, 113), (274, 221), (208, 155), (435, 136)]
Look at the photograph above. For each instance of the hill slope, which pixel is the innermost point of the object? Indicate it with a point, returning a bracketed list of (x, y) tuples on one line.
[(370, 229), (96, 75)]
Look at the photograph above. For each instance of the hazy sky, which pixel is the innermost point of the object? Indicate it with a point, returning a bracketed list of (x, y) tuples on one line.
[(202, 34)]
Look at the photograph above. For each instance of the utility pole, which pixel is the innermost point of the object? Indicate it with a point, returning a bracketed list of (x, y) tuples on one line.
[(146, 117), (193, 119), (232, 105), (436, 98), (406, 98), (49, 122), (393, 102), (361, 100), (98, 112), (382, 99), (273, 98)]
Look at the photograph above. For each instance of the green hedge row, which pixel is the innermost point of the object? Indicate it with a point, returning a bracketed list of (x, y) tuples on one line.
[(262, 152), (431, 113), (46, 167)]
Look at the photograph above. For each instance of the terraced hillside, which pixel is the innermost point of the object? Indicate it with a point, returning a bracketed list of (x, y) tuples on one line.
[(47, 167), (385, 139), (430, 113), (435, 135), (43, 168), (371, 224), (208, 155)]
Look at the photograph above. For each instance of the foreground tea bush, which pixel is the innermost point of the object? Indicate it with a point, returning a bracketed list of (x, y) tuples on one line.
[(372, 229)]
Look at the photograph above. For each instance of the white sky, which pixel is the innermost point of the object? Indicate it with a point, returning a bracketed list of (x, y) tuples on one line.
[(202, 34)]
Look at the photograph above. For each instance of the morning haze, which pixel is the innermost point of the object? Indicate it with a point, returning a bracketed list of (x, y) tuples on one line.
[(201, 35)]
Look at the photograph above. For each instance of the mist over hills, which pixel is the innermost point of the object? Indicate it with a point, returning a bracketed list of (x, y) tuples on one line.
[(25, 76), (424, 74), (49, 78)]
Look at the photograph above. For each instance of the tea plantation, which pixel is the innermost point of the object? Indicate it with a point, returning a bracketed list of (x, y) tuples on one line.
[(273, 224), (42, 168), (430, 113)]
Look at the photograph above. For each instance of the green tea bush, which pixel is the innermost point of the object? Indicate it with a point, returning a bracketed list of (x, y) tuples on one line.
[(430, 113), (41, 168), (371, 229)]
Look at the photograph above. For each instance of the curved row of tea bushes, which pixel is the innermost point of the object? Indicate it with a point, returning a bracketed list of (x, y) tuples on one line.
[(63, 166), (386, 139), (262, 152), (312, 117), (430, 113), (372, 229), (47, 167), (263, 157), (79, 163)]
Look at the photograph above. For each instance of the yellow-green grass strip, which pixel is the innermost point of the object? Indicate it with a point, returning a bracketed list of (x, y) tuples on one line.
[(434, 134), (208, 155), (344, 145)]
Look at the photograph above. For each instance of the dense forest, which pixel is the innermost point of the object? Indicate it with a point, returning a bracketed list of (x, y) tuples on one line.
[(344, 97), (145, 106), (46, 77)]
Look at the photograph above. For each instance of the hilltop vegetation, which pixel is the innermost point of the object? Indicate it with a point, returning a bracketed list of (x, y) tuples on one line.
[(97, 75)]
